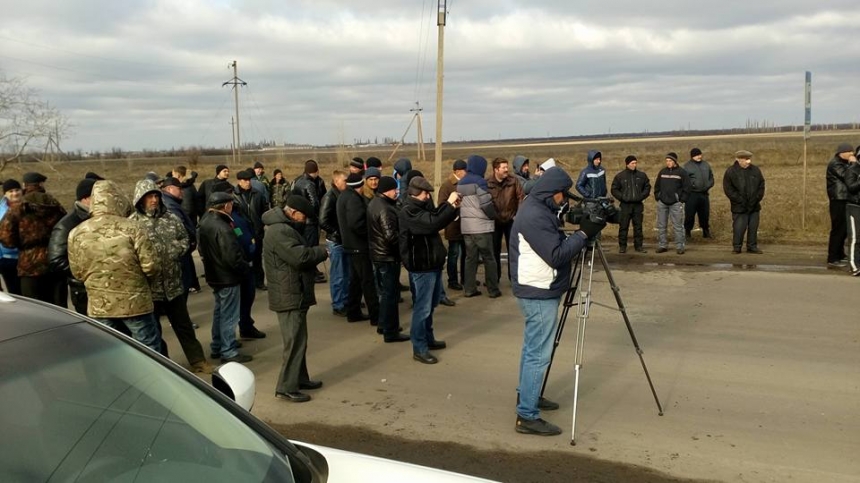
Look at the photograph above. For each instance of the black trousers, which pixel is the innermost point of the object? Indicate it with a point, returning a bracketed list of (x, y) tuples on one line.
[(388, 287), (698, 204), (247, 296), (745, 223), (361, 282), (853, 216), (838, 231), (78, 293), (628, 212), (9, 272), (176, 311), (502, 230), (257, 263), (50, 287)]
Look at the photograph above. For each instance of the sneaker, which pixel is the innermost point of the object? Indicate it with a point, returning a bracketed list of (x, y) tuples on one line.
[(836, 264), (238, 358), (662, 250), (537, 427), (680, 251), (622, 249), (455, 286)]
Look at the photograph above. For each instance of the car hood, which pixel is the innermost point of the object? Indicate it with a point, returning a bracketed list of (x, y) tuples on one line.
[(344, 466)]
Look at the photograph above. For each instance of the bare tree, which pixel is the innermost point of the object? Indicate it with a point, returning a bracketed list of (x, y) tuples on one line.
[(28, 125)]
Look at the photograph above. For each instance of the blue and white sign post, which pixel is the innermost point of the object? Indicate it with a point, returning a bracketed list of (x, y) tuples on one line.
[(807, 126)]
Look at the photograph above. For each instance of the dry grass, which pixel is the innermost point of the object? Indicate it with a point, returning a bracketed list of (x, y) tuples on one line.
[(780, 159)]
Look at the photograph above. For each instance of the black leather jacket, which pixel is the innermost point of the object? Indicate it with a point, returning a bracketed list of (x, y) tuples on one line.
[(58, 245), (382, 231), (223, 258), (631, 186), (251, 204), (313, 190), (421, 247), (352, 220), (328, 216), (843, 183)]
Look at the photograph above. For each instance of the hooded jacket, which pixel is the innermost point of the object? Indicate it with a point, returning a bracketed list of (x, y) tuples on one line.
[(592, 179), (401, 167), (169, 238), (419, 222), (744, 188), (477, 212), (518, 163), (113, 256), (290, 264), (541, 254), (27, 226)]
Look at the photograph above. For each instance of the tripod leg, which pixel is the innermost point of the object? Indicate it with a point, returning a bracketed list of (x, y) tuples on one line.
[(617, 293), (575, 399), (575, 278), (582, 310)]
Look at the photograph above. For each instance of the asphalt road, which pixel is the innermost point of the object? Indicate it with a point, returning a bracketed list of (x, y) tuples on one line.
[(757, 365)]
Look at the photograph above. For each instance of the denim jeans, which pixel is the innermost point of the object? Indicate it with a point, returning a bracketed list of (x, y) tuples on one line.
[(456, 256), (387, 276), (225, 317), (673, 214), (541, 320), (425, 299), (143, 329), (338, 275)]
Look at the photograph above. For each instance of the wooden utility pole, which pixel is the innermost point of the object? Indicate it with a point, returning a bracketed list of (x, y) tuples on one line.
[(233, 141), (417, 116), (236, 82), (441, 18)]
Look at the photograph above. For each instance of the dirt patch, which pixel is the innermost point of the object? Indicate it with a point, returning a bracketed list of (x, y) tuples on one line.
[(499, 465)]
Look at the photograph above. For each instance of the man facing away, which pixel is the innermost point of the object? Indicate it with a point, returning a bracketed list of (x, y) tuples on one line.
[(541, 257), (743, 184), (631, 187), (312, 188), (290, 263), (698, 202)]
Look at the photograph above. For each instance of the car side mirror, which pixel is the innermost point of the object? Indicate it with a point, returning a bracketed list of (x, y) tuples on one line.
[(236, 382)]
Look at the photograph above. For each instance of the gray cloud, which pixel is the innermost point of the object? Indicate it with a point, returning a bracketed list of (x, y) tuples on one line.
[(148, 74)]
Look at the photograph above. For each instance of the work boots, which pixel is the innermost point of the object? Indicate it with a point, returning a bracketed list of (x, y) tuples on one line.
[(537, 427)]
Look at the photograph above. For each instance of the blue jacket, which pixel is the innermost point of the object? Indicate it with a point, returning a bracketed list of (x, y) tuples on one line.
[(6, 252), (592, 180), (541, 254), (476, 168)]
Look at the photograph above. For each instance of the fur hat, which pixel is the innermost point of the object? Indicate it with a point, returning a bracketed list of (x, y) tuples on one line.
[(84, 189), (386, 183)]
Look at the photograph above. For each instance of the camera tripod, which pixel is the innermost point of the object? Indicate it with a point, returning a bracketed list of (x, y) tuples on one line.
[(579, 296)]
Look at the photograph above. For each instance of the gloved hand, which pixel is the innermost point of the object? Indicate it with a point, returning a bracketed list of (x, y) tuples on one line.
[(591, 228)]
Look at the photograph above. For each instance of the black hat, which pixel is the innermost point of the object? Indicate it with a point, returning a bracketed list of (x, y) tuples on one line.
[(357, 163), (386, 183), (373, 162), (372, 173), (171, 181), (33, 178), (629, 159), (354, 180), (420, 183), (258, 165), (245, 174), (695, 152), (299, 203), (311, 167), (84, 189), (275, 172), (459, 164), (11, 184), (222, 186), (845, 148), (219, 198), (91, 175), (673, 157), (219, 168)]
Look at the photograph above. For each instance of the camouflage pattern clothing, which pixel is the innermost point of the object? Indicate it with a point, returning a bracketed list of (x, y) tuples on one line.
[(27, 226), (169, 238), (279, 192), (113, 256)]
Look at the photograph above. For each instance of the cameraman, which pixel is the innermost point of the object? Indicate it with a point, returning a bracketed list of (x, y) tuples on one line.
[(541, 256)]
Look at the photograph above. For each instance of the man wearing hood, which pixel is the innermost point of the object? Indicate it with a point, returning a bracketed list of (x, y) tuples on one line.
[(843, 186), (311, 187), (116, 260), (170, 240), (671, 189), (592, 179), (27, 226), (521, 168), (401, 167), (12, 195), (541, 257), (58, 247), (477, 221), (290, 262)]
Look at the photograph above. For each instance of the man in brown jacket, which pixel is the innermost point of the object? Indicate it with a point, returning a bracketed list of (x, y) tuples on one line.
[(507, 195), (453, 235)]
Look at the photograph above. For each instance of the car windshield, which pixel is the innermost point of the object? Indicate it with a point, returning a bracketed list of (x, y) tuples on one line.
[(78, 404)]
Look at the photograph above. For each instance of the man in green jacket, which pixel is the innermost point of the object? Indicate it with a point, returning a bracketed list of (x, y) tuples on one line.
[(291, 265)]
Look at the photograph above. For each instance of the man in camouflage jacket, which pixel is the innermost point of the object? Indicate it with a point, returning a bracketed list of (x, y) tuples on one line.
[(170, 240), (115, 259)]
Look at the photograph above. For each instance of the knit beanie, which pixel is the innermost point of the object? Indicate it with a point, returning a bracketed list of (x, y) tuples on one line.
[(695, 152), (372, 173), (354, 180), (357, 163), (386, 183), (84, 189), (219, 168), (844, 148), (311, 167), (373, 162), (673, 157), (11, 184), (299, 203), (629, 159)]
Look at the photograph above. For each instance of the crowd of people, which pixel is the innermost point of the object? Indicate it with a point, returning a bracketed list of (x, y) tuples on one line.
[(126, 262)]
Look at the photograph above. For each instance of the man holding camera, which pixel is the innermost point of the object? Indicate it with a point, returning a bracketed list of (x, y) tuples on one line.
[(541, 257)]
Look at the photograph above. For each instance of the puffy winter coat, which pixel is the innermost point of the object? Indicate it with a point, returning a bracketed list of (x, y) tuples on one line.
[(289, 263), (477, 211), (382, 231), (27, 226)]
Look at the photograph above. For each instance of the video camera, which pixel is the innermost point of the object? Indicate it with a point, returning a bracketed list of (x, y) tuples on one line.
[(598, 210)]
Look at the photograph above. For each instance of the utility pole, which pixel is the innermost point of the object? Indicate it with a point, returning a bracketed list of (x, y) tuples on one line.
[(236, 82), (417, 110), (233, 141), (441, 18)]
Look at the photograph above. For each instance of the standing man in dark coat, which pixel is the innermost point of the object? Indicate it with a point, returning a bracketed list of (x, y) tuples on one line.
[(384, 237), (631, 187), (744, 186), (290, 262), (222, 173), (698, 203), (423, 255), (339, 260), (842, 186), (671, 189), (312, 188), (58, 246), (251, 204), (453, 233), (352, 219)]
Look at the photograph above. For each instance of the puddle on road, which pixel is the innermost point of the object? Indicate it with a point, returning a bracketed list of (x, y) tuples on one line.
[(742, 267)]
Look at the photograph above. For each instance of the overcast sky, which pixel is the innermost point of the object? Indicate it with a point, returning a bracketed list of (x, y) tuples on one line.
[(147, 73)]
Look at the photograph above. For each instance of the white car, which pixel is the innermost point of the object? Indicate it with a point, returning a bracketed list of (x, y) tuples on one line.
[(80, 402)]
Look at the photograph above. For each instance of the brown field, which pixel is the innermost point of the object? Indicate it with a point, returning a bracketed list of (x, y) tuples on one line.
[(780, 157)]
